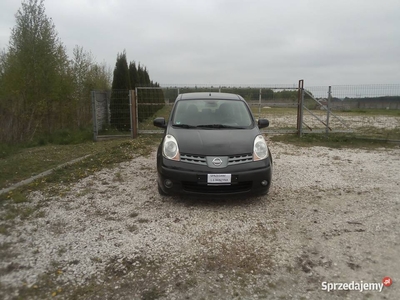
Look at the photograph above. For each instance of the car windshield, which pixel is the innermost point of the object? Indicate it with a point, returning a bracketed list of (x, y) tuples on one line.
[(212, 114)]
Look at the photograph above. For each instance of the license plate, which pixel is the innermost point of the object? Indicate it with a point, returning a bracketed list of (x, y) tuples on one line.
[(219, 178)]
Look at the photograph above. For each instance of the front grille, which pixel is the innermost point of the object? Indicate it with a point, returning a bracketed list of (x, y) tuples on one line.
[(194, 159), (239, 159), (195, 187), (202, 160)]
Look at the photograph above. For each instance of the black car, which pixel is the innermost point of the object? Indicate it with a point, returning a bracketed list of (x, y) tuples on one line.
[(212, 145)]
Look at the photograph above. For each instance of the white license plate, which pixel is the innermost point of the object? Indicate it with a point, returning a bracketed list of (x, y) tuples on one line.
[(219, 178)]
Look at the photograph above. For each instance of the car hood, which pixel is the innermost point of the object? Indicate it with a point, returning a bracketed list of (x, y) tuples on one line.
[(214, 141)]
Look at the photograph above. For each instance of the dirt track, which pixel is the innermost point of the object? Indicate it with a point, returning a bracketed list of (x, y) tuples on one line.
[(332, 215)]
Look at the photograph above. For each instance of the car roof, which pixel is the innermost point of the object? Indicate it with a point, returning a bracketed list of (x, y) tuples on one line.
[(209, 95)]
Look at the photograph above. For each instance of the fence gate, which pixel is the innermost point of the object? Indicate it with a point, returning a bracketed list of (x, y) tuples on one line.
[(315, 115), (112, 114), (289, 108), (282, 100), (152, 102)]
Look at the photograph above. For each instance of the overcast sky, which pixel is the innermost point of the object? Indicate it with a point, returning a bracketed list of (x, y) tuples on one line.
[(234, 41)]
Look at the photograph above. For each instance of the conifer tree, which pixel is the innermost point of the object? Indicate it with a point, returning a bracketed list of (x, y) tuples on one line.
[(133, 75), (119, 106)]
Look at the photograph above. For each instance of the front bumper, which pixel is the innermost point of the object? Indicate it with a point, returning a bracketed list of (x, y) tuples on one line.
[(186, 178)]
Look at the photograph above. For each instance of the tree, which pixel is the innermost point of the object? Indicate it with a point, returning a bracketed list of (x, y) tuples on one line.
[(34, 75), (87, 76), (149, 100), (143, 76), (121, 74), (133, 75), (99, 77), (119, 106)]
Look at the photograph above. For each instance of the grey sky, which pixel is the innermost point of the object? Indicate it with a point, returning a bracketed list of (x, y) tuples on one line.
[(234, 42)]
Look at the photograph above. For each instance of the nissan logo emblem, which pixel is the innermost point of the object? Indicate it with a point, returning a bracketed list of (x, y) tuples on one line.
[(217, 161)]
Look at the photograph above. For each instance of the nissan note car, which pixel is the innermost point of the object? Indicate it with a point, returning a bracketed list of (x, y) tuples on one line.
[(212, 145)]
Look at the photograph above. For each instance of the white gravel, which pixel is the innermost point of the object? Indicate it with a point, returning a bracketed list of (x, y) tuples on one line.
[(331, 215)]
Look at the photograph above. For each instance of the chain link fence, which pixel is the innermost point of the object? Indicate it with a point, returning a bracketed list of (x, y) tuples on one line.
[(371, 111), (112, 115), (282, 98), (365, 110)]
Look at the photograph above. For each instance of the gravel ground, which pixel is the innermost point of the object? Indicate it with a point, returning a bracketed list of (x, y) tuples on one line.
[(332, 215)]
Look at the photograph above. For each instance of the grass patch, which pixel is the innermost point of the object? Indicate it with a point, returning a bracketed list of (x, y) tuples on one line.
[(27, 162), (333, 140), (104, 155), (32, 161), (17, 197), (148, 123), (371, 112), (63, 137), (7, 150), (117, 152), (60, 137), (379, 133)]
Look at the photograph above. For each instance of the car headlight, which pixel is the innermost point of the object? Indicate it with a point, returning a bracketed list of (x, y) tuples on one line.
[(260, 149), (170, 148)]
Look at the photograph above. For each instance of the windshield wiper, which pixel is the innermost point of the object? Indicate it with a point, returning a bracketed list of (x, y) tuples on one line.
[(219, 126), (184, 125)]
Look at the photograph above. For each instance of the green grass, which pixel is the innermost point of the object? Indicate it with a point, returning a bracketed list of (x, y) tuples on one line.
[(111, 153), (148, 123), (333, 140), (31, 161), (379, 133), (26, 162), (63, 137), (371, 112), (109, 130), (106, 154)]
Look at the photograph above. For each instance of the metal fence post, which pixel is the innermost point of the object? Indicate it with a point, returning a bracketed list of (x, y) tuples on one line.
[(300, 100), (131, 114), (133, 109), (94, 116), (328, 108), (137, 110), (259, 105), (301, 112)]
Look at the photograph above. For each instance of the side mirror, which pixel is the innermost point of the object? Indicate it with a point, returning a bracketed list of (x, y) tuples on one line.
[(262, 123), (160, 122)]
